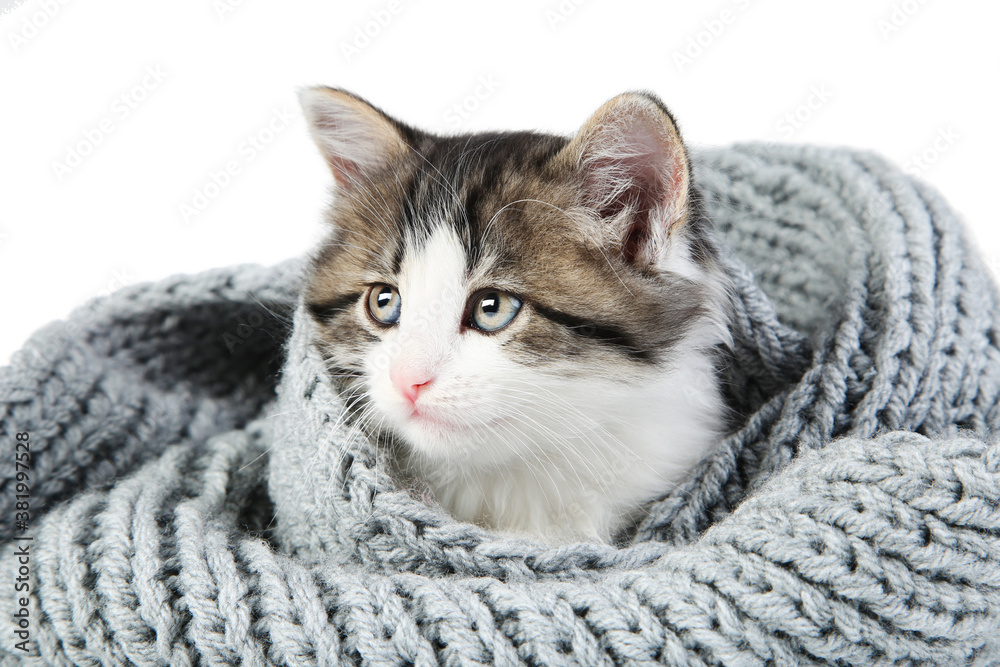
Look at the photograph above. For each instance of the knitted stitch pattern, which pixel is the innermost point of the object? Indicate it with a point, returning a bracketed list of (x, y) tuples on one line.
[(852, 517)]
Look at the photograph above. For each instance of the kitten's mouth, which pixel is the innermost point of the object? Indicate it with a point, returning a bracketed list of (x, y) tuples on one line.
[(428, 419)]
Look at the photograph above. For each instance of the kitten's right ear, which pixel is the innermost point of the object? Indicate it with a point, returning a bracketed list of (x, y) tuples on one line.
[(356, 139)]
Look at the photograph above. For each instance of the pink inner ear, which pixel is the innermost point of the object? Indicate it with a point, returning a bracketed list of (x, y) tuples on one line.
[(641, 174), (354, 138), (345, 171)]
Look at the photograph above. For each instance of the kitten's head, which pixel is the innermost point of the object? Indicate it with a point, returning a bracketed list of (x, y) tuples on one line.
[(502, 296)]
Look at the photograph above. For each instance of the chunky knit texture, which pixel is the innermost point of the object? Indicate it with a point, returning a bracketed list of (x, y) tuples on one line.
[(181, 516)]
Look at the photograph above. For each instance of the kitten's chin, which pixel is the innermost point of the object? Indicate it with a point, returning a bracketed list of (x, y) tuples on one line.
[(442, 440), (433, 424)]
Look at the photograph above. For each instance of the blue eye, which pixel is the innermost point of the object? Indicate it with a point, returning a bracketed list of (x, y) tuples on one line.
[(492, 311), (384, 304)]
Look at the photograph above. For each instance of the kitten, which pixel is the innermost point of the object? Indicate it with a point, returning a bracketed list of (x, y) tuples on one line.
[(526, 323)]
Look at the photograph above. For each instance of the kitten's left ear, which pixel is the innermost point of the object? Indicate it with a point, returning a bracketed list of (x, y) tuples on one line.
[(356, 138), (635, 174)]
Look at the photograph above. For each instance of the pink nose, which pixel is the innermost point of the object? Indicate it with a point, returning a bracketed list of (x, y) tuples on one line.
[(410, 383)]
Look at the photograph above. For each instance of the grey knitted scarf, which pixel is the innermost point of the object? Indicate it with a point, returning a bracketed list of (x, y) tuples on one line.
[(195, 497)]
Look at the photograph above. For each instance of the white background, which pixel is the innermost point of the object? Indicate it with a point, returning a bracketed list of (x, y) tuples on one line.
[(889, 75)]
